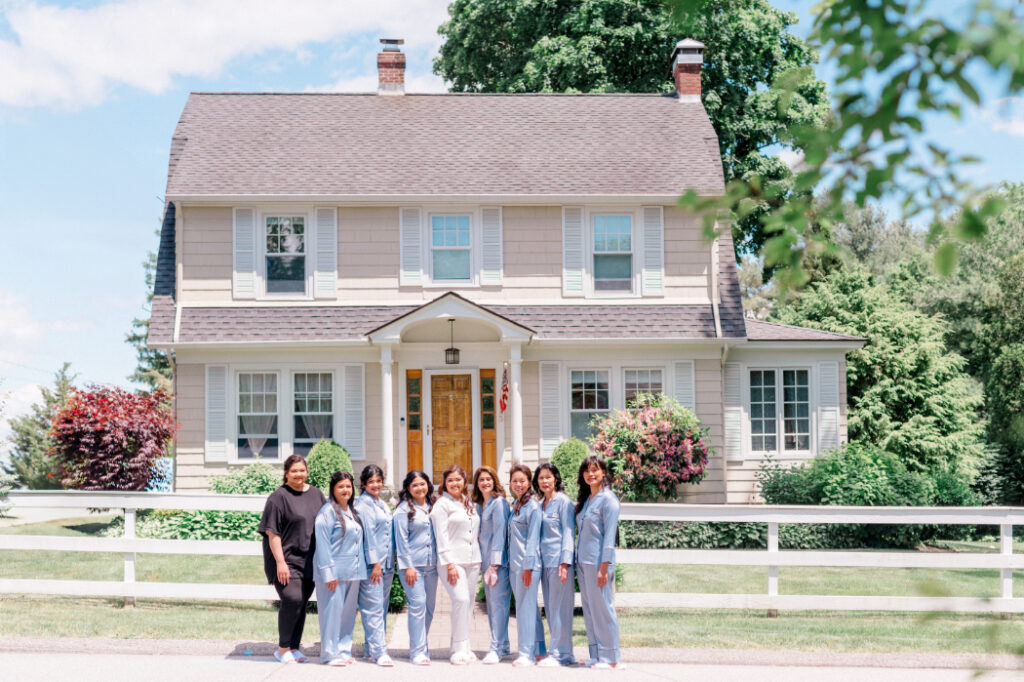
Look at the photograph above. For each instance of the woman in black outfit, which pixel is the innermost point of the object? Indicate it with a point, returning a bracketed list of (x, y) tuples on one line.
[(288, 546)]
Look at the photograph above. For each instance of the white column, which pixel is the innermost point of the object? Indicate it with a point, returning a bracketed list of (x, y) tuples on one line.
[(516, 396), (387, 423)]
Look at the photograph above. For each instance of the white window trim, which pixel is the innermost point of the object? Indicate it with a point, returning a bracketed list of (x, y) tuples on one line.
[(475, 241), (285, 403), (334, 401), (308, 214), (590, 367), (812, 407), (636, 243), (642, 368)]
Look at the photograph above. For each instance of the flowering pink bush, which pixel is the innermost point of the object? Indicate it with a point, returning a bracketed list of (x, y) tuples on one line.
[(652, 450), (108, 438)]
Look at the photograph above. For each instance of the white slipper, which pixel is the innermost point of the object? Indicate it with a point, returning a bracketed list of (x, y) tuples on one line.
[(549, 662), (492, 658), (421, 660), (523, 662), (286, 657), (299, 656), (385, 661)]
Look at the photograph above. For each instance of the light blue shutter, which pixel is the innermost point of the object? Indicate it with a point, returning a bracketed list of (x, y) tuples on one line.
[(325, 275), (243, 276), (654, 251), (216, 447), (410, 247), (490, 245), (684, 380), (573, 251), (733, 407), (354, 410), (551, 407), (828, 406)]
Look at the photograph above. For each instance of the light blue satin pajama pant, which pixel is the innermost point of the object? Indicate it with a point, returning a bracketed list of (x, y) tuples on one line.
[(498, 611), (337, 614), (421, 598), (529, 628), (558, 605), (599, 614), (373, 607)]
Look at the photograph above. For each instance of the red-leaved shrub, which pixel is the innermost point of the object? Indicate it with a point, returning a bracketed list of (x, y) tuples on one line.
[(107, 438)]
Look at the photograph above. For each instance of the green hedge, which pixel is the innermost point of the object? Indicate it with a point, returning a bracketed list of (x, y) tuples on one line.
[(567, 457), (324, 459)]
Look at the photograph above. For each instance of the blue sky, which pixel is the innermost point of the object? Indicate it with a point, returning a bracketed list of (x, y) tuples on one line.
[(90, 93)]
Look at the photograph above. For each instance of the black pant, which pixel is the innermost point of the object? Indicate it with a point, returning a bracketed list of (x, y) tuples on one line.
[(291, 617)]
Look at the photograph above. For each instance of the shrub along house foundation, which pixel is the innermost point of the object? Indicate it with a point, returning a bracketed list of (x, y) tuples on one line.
[(376, 268)]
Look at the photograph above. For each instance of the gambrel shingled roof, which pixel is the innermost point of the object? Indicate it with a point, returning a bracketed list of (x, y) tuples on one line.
[(449, 144)]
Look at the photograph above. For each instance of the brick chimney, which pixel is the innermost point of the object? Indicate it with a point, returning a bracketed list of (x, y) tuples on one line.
[(687, 58), (391, 67)]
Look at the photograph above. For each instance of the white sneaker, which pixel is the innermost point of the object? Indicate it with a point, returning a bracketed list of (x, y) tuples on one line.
[(549, 662), (600, 666), (385, 661), (492, 658), (523, 662), (338, 662), (422, 659)]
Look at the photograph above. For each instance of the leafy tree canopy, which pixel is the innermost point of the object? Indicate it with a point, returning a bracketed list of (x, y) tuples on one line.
[(625, 46), (30, 461), (907, 394)]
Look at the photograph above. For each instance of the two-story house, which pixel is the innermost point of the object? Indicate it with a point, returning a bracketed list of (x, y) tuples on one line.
[(377, 268)]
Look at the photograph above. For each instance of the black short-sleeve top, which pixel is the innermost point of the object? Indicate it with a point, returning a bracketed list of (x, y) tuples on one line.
[(290, 515)]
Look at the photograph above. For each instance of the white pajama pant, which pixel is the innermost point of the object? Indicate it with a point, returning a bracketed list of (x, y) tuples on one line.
[(599, 614), (463, 596)]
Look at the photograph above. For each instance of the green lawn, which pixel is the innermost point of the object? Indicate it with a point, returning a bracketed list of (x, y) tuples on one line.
[(247, 621)]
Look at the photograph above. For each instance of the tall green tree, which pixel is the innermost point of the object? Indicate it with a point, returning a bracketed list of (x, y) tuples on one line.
[(153, 367), (30, 461), (625, 45), (907, 393)]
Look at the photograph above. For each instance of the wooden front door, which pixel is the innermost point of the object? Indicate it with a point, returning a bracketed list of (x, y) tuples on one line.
[(451, 408)]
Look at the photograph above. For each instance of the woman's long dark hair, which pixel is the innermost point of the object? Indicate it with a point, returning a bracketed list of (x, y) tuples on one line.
[(547, 466), (336, 478), (289, 463), (406, 496), (499, 489), (584, 493), (369, 471), (456, 469), (525, 497)]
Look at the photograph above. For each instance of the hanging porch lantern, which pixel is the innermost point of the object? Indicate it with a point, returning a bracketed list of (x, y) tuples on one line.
[(451, 353)]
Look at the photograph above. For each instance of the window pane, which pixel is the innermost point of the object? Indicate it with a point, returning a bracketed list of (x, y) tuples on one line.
[(487, 420), (613, 267), (579, 422), (414, 404), (413, 387), (414, 422), (451, 265), (487, 385), (488, 403), (286, 274), (314, 427)]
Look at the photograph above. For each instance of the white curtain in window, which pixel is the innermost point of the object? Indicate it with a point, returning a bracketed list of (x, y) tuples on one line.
[(257, 424), (318, 425)]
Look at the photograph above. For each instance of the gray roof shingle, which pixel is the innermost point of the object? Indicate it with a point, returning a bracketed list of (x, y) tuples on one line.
[(161, 320), (758, 330), (242, 144)]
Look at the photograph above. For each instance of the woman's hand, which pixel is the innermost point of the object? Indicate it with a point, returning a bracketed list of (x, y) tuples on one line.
[(491, 575), (527, 576), (376, 574), (284, 573), (602, 575), (453, 575), (332, 585), (410, 576), (563, 573)]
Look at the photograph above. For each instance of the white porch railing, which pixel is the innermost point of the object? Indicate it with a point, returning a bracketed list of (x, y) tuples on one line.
[(772, 558)]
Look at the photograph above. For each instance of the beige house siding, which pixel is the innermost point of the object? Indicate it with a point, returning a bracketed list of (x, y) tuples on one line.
[(368, 258), (191, 472), (708, 382)]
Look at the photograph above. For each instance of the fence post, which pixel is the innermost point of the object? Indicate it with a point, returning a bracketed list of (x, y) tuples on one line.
[(1006, 574), (129, 558), (773, 571)]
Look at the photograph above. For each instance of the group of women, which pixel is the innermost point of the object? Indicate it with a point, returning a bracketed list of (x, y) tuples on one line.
[(348, 548)]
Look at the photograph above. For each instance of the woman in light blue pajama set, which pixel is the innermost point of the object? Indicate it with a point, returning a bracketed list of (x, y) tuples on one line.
[(375, 591), (340, 563), (597, 518), (524, 565), (493, 510), (417, 560), (558, 524)]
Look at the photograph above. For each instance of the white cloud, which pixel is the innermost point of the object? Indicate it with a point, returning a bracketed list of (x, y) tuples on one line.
[(1005, 115), (65, 56), (17, 403), (792, 158), (23, 329), (368, 83)]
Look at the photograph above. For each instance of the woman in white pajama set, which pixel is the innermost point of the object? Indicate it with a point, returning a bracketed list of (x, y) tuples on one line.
[(558, 524), (340, 562), (375, 591), (456, 527), (417, 560), (597, 518)]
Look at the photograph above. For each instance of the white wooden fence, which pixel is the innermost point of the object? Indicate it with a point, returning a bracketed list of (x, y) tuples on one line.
[(1003, 517)]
